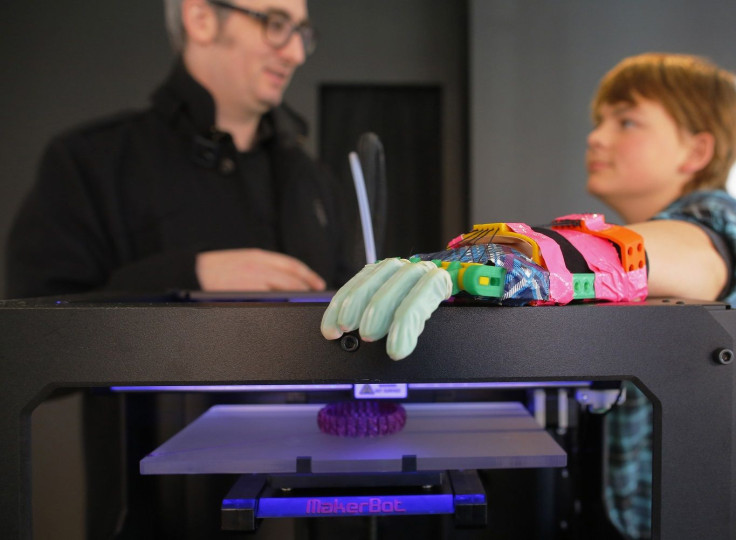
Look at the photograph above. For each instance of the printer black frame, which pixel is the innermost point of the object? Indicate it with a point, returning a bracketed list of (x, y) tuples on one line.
[(679, 353)]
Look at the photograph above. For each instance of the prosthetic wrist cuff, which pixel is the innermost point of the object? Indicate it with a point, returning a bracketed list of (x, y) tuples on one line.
[(586, 258), (629, 244), (615, 255)]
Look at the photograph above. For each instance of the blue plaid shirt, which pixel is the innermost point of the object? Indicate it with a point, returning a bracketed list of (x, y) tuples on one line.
[(629, 475)]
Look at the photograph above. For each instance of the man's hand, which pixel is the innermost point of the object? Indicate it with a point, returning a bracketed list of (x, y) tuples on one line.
[(251, 269)]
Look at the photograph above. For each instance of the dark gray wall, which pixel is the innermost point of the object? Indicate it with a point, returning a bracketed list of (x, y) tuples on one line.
[(63, 63), (534, 68)]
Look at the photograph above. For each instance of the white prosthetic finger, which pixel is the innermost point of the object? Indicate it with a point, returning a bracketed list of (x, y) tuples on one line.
[(354, 304), (434, 287), (329, 327), (380, 311)]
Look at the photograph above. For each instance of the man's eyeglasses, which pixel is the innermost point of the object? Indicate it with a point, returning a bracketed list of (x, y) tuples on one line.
[(277, 26)]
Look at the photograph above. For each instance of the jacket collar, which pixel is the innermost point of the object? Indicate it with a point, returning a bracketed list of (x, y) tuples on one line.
[(188, 106)]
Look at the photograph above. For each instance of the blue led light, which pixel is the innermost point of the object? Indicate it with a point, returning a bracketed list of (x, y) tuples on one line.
[(475, 498), (313, 299), (238, 504), (497, 385), (330, 387), (233, 388)]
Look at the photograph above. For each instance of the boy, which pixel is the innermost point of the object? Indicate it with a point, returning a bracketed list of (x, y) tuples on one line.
[(659, 155)]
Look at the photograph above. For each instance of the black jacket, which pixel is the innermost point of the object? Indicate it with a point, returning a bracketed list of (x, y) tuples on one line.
[(127, 203)]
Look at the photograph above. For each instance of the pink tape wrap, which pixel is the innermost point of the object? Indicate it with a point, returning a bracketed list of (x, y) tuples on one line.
[(560, 278), (455, 242), (611, 281)]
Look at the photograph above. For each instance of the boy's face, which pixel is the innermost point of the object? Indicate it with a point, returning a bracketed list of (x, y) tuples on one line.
[(635, 155)]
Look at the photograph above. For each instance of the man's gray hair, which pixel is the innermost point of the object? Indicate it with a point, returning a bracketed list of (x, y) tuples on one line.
[(174, 26), (172, 14)]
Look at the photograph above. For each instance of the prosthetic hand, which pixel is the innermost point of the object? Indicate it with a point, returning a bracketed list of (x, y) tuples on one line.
[(576, 258)]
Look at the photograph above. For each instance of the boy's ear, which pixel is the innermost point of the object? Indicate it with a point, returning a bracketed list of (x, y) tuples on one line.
[(199, 21), (702, 147)]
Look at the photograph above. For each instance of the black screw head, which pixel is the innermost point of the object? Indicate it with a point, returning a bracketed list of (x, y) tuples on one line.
[(349, 343), (723, 356)]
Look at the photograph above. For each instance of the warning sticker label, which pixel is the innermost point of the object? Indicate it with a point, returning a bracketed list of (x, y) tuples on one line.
[(379, 391)]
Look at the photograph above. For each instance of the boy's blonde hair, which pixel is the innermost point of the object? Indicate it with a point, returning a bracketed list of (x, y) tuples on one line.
[(700, 97)]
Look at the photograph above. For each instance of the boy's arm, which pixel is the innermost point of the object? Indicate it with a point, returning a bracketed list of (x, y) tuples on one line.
[(682, 260)]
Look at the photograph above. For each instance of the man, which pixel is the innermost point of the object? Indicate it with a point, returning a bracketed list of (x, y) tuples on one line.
[(207, 189)]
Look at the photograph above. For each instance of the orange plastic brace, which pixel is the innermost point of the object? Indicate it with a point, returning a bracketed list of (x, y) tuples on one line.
[(631, 244)]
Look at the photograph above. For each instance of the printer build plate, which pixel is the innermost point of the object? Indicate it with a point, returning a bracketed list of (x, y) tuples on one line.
[(230, 439)]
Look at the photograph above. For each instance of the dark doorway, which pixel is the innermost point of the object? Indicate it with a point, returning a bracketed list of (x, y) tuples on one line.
[(407, 119)]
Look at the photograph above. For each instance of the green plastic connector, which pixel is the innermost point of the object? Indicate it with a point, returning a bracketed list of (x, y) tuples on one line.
[(583, 286), (484, 280), (453, 269), (477, 279), (473, 278)]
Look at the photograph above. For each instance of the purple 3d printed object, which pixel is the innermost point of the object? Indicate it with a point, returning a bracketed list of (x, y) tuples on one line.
[(361, 418)]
